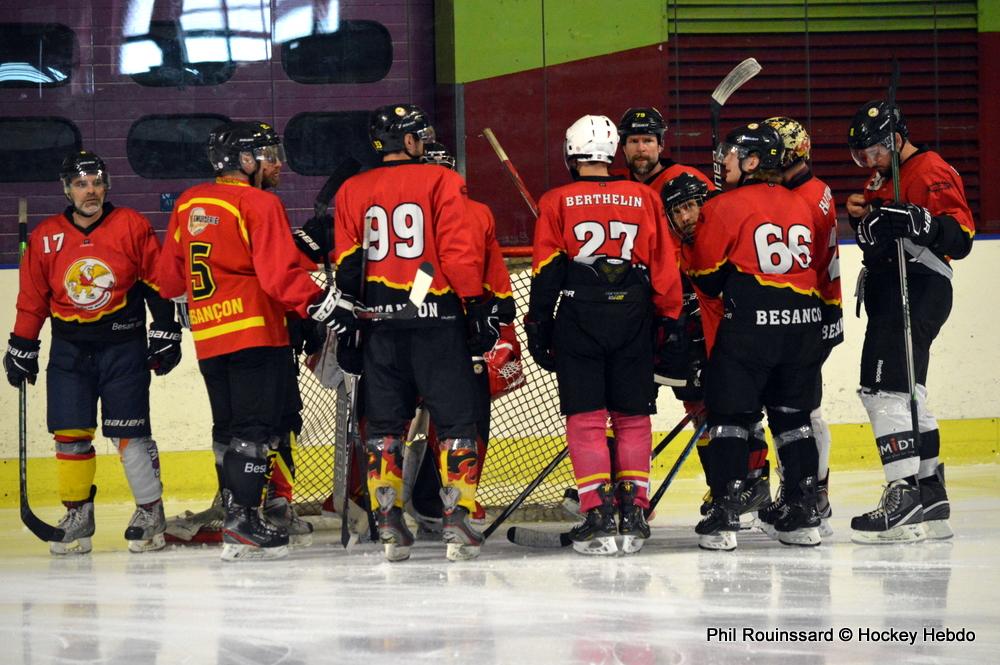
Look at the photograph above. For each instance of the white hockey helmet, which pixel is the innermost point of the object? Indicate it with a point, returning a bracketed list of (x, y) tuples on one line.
[(592, 138)]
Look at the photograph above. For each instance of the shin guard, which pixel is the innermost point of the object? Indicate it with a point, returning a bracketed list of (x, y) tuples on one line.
[(633, 446), (141, 462), (76, 464), (460, 465), (385, 469), (245, 469), (889, 413), (588, 451)]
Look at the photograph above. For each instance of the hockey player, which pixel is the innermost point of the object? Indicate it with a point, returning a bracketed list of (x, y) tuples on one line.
[(933, 219), (641, 132), (91, 270), (229, 251), (415, 213), (798, 176), (424, 503), (754, 250), (601, 243)]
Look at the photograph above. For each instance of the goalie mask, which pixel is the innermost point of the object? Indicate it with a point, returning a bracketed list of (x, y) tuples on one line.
[(592, 138), (227, 143), (682, 198), (753, 139), (796, 140), (436, 153), (390, 124), (870, 135), (644, 120)]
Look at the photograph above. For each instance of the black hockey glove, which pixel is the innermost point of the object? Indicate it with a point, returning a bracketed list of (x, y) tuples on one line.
[(349, 354), (908, 220), (482, 322), (305, 336), (672, 358), (21, 360), (164, 346), (313, 239), (335, 309), (539, 334)]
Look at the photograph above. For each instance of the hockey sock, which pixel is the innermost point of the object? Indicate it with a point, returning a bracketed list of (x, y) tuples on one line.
[(821, 431), (461, 464), (588, 450), (219, 450), (633, 443), (385, 468), (793, 437), (141, 462), (76, 464), (245, 472), (281, 480), (930, 448)]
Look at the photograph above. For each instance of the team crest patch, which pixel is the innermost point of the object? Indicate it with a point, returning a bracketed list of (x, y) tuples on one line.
[(198, 221), (89, 283)]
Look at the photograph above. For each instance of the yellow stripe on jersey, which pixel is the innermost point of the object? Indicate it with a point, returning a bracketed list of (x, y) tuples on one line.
[(707, 271), (547, 261), (82, 319), (407, 286), (226, 328), (340, 259), (225, 205)]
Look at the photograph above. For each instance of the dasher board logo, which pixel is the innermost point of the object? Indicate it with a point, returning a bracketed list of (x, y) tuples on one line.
[(198, 221), (89, 283)]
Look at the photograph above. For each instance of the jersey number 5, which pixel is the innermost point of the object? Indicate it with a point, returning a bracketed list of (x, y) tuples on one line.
[(202, 284), (777, 254), (407, 227)]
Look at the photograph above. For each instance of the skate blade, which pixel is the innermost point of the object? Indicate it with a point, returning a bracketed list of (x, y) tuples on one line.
[(749, 521), (723, 541), (938, 530), (768, 530), (601, 546), (157, 542), (907, 533), (74, 547), (632, 544), (825, 530), (395, 553), (301, 539), (461, 552), (807, 537), (241, 552)]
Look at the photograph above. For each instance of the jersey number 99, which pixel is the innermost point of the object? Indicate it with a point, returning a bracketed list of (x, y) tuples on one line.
[(407, 228)]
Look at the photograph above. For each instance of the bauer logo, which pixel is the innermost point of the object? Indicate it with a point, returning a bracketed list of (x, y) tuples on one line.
[(89, 283), (198, 221)]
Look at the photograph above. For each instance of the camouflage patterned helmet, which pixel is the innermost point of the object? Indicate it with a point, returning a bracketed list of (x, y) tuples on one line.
[(795, 138)]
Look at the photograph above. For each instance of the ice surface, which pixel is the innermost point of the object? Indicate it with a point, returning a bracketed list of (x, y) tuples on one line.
[(513, 605)]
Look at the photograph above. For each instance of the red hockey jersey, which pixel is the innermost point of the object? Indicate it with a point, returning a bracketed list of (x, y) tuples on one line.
[(496, 278), (605, 217), (671, 170), (755, 246), (229, 248), (418, 213), (88, 280)]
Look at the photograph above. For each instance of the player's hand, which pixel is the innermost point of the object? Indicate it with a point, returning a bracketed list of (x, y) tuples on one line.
[(305, 336), (313, 239), (539, 334), (349, 355), (482, 322), (335, 310), (164, 346), (857, 208), (21, 360), (908, 220)]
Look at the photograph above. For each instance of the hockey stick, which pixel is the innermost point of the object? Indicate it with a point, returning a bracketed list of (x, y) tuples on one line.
[(739, 75), (676, 468), (511, 171), (344, 170), (911, 374), (529, 537), (44, 531), (418, 293), (516, 503)]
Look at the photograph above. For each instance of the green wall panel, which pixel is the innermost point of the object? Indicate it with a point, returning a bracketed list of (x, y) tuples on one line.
[(578, 29), (989, 16)]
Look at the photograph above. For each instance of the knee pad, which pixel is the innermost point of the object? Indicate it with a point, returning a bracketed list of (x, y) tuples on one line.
[(252, 449), (141, 462), (788, 425)]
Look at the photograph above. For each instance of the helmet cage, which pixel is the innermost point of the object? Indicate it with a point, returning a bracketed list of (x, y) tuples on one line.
[(436, 153)]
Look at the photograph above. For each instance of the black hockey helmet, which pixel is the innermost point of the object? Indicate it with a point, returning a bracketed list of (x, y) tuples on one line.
[(80, 163), (642, 120), (870, 127), (758, 139), (436, 153), (678, 191), (228, 141), (390, 124)]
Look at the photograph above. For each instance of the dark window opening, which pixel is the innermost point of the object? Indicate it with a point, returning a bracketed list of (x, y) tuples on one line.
[(358, 52), (172, 146), (32, 149), (174, 70), (316, 143), (36, 55)]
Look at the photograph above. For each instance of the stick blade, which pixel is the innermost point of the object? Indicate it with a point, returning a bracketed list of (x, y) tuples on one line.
[(538, 539), (41, 530), (739, 75), (421, 284)]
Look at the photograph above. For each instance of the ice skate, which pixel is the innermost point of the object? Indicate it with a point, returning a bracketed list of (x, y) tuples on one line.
[(279, 512), (463, 540), (246, 535), (201, 527), (769, 514), (898, 518), (937, 509), (799, 523), (78, 525), (597, 533), (823, 506), (145, 529), (717, 530), (756, 495), (631, 519), (392, 531)]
